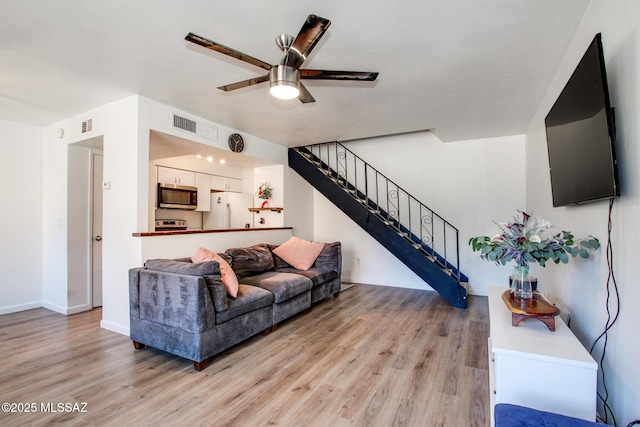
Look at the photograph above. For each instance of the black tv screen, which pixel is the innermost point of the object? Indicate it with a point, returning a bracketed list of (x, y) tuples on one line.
[(581, 136)]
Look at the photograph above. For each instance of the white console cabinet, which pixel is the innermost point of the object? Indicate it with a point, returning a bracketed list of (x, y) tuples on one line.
[(534, 367)]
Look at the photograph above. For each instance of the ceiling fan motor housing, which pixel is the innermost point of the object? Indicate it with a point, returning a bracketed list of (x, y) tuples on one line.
[(283, 77)]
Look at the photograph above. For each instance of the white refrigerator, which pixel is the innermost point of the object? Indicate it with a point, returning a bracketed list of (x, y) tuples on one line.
[(228, 210)]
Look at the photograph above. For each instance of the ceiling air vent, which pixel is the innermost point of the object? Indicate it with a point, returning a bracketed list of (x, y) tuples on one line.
[(87, 125), (184, 124)]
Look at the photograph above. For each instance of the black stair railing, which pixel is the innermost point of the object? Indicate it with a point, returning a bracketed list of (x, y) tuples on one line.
[(420, 225)]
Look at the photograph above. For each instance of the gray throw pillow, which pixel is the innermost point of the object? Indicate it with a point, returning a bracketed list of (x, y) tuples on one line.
[(250, 261)]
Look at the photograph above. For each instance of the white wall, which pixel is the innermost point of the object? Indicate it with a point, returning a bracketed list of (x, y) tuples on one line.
[(274, 176), (581, 285), (20, 242), (469, 183), (118, 124), (298, 205), (125, 127)]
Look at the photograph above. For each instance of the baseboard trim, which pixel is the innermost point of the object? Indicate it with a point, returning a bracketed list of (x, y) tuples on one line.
[(114, 327), (54, 307), (78, 309), (20, 307), (345, 286)]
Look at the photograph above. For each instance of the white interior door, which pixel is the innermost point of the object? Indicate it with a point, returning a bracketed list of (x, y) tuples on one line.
[(96, 231)]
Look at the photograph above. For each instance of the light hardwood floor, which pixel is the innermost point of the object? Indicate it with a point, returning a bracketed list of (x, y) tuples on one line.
[(375, 356)]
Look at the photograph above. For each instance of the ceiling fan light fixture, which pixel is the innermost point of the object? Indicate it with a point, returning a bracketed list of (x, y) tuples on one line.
[(284, 82)]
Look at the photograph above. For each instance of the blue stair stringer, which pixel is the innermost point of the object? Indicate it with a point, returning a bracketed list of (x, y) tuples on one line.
[(434, 269)]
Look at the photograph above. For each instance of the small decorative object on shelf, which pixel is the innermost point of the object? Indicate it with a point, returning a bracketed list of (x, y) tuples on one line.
[(265, 191), (264, 204), (527, 239), (534, 308)]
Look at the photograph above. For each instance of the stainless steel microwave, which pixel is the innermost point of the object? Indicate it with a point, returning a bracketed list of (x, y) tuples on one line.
[(172, 196)]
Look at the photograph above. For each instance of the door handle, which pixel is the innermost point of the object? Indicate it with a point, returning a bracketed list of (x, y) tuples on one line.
[(98, 238)]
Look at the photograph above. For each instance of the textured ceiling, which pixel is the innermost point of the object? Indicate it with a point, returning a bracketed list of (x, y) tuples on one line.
[(466, 69)]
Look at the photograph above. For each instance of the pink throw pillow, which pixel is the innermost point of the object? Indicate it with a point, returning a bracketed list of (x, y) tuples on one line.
[(299, 253), (229, 279)]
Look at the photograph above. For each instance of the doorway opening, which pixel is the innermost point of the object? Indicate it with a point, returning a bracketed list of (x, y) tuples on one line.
[(84, 225)]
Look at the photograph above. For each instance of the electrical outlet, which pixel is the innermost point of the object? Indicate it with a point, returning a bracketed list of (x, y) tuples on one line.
[(565, 315), (564, 312)]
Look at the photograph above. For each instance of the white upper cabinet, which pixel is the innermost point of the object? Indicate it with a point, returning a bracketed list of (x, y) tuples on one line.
[(176, 176), (234, 184), (217, 183), (220, 183)]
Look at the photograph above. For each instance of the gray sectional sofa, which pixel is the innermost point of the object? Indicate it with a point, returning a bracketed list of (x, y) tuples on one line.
[(183, 308)]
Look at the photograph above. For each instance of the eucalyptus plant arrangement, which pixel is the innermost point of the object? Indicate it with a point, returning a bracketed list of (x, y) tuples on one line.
[(265, 191), (528, 239)]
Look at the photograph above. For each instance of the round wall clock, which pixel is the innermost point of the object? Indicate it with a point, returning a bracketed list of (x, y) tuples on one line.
[(236, 142)]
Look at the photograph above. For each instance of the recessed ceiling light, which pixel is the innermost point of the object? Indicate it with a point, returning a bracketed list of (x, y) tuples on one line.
[(210, 159), (222, 161), (198, 156)]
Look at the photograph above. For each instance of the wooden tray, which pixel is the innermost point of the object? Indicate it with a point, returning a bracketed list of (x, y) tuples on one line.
[(534, 308)]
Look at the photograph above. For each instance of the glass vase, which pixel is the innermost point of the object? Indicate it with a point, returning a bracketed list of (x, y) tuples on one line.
[(521, 282)]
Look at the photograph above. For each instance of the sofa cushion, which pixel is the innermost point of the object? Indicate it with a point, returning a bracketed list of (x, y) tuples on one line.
[(250, 261), (317, 275), (282, 285), (299, 253), (249, 298), (508, 415), (229, 279)]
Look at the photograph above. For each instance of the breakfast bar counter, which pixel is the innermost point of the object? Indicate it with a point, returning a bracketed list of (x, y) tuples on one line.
[(176, 232), (182, 243)]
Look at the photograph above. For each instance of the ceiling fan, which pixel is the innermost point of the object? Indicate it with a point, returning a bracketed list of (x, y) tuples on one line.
[(285, 77)]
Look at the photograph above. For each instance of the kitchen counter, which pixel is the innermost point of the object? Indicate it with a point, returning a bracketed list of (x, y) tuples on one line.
[(178, 232)]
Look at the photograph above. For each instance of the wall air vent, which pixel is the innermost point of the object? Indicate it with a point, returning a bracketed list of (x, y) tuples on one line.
[(201, 128), (87, 125), (184, 124)]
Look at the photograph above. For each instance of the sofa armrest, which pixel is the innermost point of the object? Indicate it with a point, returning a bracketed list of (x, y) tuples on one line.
[(210, 270), (330, 257), (177, 300), (134, 291)]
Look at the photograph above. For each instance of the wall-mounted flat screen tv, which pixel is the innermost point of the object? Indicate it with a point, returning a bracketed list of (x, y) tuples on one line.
[(581, 135)]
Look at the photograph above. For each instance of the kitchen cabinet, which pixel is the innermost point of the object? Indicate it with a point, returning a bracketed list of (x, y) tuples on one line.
[(176, 176), (203, 183), (221, 183), (531, 366)]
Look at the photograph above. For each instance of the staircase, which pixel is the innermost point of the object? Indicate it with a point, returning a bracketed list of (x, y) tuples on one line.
[(423, 240)]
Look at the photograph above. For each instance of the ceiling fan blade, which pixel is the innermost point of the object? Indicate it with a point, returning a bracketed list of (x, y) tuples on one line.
[(209, 44), (338, 75), (309, 35), (305, 97), (245, 83)]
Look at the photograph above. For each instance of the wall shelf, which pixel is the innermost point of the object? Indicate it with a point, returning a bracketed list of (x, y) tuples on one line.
[(256, 210)]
